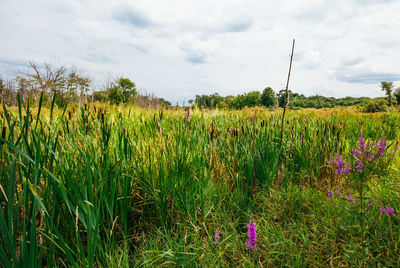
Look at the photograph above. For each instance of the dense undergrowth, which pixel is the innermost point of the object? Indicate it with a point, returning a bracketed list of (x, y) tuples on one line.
[(123, 186)]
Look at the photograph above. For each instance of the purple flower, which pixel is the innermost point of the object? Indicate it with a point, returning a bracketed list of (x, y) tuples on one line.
[(387, 210), (361, 143), (343, 170), (330, 194), (341, 166), (372, 203), (217, 236), (395, 149), (381, 147), (356, 152), (390, 211), (251, 229), (339, 162), (339, 193), (360, 166), (350, 198)]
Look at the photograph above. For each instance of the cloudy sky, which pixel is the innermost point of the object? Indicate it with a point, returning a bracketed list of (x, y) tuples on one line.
[(179, 48)]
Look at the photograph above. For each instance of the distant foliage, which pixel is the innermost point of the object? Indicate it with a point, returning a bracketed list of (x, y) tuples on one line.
[(376, 106), (387, 87), (68, 86), (397, 95), (268, 97)]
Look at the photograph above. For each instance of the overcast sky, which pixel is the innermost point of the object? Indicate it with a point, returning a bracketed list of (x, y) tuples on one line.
[(179, 48)]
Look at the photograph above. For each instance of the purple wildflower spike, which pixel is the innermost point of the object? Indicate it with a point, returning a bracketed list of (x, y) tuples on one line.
[(361, 143), (251, 243), (217, 236)]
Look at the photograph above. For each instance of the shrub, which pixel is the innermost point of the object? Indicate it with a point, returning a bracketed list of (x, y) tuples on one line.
[(376, 107)]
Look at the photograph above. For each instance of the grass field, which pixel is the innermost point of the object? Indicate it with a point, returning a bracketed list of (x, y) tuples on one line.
[(111, 186)]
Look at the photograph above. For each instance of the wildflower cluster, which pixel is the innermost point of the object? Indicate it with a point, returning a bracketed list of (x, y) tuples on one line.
[(251, 243), (387, 210), (341, 166), (368, 159), (349, 197)]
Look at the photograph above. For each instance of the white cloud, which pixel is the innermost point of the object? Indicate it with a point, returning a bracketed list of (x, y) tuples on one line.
[(179, 48)]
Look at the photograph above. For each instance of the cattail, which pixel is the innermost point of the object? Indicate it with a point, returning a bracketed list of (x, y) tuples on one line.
[(67, 126), (102, 118)]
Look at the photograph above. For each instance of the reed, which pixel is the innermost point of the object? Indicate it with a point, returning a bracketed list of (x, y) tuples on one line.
[(122, 186)]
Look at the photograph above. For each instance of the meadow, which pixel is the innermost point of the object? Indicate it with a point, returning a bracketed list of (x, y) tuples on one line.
[(122, 186)]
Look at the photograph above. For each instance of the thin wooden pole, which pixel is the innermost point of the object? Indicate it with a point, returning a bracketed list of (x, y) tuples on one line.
[(284, 112), (287, 95)]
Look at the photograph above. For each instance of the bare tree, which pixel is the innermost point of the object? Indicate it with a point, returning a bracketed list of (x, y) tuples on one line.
[(48, 79), (7, 92)]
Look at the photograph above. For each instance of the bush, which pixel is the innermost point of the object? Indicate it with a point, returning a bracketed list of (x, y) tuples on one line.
[(376, 107)]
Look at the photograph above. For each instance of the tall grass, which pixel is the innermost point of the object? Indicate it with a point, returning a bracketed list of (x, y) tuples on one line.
[(113, 186)]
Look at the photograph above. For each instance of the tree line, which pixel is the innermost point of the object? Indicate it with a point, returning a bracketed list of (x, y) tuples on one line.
[(67, 86), (268, 98)]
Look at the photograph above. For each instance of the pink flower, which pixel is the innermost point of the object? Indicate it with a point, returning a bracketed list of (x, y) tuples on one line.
[(217, 236), (350, 198)]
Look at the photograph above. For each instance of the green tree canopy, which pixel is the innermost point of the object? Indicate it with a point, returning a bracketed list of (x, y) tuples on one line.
[(387, 87), (268, 97)]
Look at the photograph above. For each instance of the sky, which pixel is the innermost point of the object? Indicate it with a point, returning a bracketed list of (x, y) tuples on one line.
[(177, 49)]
